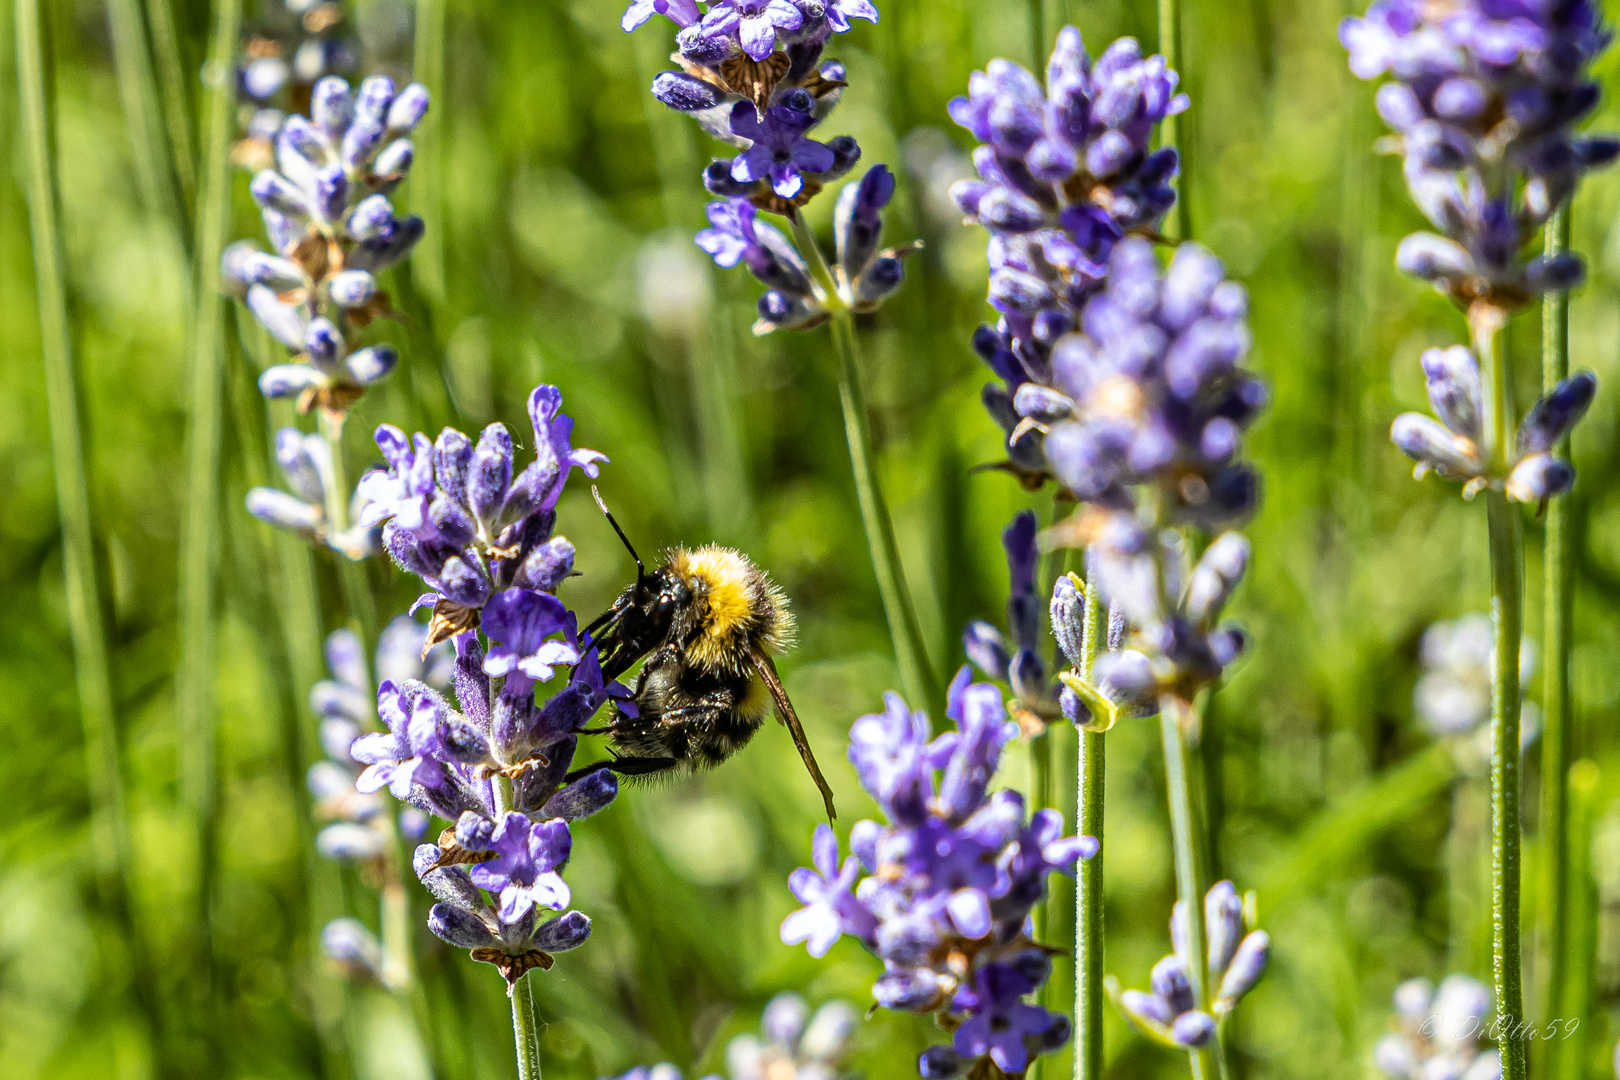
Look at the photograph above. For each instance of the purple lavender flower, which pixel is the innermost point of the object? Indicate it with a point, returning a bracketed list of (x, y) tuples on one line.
[(454, 513), (326, 210), (521, 622), (1484, 104), (780, 152), (523, 871), (409, 753), (1450, 446), (954, 873), (306, 463), (1234, 963), (1018, 662)]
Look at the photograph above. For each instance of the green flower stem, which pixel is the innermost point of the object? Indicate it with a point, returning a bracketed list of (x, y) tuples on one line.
[(1559, 597), (1507, 609), (1584, 910), (525, 1026), (357, 597), (1172, 132), (910, 652), (1037, 35), (1088, 900), (1186, 831), (109, 825)]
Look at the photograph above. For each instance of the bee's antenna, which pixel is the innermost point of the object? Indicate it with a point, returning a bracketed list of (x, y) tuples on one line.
[(641, 571)]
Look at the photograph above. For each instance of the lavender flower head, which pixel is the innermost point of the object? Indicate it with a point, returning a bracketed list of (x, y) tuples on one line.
[(1452, 697), (461, 517), (1236, 959), (753, 75), (291, 46), (1439, 1033), (1452, 446), (1484, 101), (950, 882), (1064, 175), (306, 464), (331, 228)]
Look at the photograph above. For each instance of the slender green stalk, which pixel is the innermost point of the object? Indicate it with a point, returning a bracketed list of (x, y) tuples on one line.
[(132, 66), (357, 597), (199, 538), (1088, 899), (1507, 604), (1559, 597), (109, 825), (172, 81), (904, 629), (1186, 835), (525, 1026), (427, 174), (1173, 131), (1584, 909)]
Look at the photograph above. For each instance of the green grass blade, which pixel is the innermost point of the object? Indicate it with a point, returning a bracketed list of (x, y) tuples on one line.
[(427, 174), (133, 68), (173, 79)]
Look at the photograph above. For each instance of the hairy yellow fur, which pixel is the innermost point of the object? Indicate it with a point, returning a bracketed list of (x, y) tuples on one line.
[(740, 603)]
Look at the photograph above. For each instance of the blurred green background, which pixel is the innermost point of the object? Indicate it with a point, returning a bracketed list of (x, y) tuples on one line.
[(560, 200)]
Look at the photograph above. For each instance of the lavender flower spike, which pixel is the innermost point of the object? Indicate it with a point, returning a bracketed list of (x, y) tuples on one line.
[(955, 872)]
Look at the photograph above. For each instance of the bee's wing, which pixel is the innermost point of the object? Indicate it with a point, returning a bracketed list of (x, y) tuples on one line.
[(784, 711)]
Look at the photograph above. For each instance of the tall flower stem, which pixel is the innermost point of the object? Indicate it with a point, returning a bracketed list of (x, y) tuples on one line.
[(1559, 597), (172, 80), (1172, 130), (199, 538), (357, 600), (1175, 720), (1088, 900), (910, 652), (1507, 610), (1037, 33), (427, 176), (133, 68), (525, 1026), (109, 825)]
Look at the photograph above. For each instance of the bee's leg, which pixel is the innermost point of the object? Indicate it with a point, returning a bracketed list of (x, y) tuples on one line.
[(625, 766)]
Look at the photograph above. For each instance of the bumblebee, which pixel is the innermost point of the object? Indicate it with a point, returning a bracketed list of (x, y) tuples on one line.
[(707, 622)]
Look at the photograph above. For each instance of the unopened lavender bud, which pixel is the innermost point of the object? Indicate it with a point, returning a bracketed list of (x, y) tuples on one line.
[(408, 108), (547, 565), (1223, 924), (717, 179), (1393, 1056), (685, 93), (283, 510), (1169, 981), (1540, 477), (1226, 644), (284, 321), (1559, 410), (879, 281), (459, 927), (1433, 258), (244, 265), (588, 795), (1127, 677), (858, 220), (1193, 1030), (345, 842), (1399, 106), (324, 342), (490, 476), (383, 252), (349, 943), (288, 380), (1426, 441), (452, 458), (1248, 964), (368, 365), (1454, 388), (567, 931), (331, 106), (371, 103), (1068, 618), (1217, 574), (1149, 1010), (395, 159), (413, 824), (1074, 710), (780, 310), (942, 1063), (337, 735), (352, 288), (1019, 291), (331, 193), (1006, 210), (360, 142), (1042, 403), (1548, 273), (1027, 674), (371, 217), (272, 190), (984, 645)]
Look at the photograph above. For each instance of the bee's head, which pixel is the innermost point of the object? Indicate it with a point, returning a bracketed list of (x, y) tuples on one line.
[(657, 599)]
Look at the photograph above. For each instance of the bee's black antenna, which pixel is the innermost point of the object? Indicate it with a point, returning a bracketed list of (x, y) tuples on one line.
[(641, 571)]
